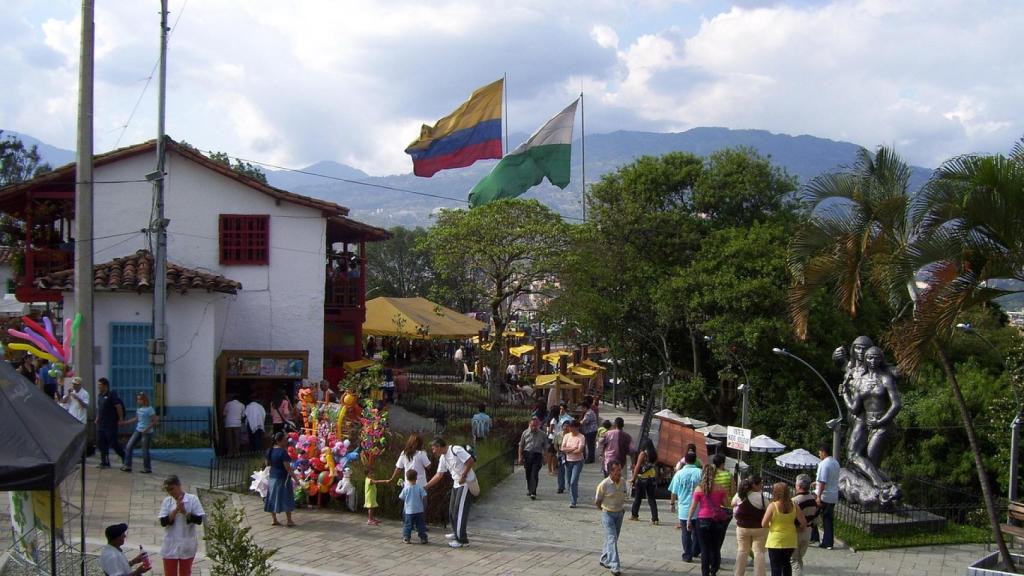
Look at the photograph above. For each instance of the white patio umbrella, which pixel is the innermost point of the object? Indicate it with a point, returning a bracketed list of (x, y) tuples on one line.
[(763, 443), (714, 430), (684, 420), (798, 459)]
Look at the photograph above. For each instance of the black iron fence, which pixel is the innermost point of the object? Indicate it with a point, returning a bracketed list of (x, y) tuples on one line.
[(183, 433), (235, 472), (928, 513)]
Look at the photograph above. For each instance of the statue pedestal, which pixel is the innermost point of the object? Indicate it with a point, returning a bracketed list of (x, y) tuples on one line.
[(901, 519)]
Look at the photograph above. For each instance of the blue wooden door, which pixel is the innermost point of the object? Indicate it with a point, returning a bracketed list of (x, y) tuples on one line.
[(130, 370)]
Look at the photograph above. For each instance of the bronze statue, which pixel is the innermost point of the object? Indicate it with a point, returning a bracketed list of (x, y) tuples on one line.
[(873, 401)]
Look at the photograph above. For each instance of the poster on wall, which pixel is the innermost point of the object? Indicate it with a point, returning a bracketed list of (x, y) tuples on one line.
[(269, 367)]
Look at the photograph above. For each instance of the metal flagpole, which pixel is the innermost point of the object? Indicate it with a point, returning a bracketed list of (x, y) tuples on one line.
[(504, 87), (583, 155)]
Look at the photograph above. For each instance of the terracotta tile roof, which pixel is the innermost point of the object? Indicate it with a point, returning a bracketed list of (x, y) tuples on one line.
[(135, 273)]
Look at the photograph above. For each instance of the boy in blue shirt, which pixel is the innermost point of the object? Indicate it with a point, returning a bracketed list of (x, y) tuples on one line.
[(414, 498)]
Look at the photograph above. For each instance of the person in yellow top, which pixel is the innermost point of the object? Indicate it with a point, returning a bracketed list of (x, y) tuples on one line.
[(781, 520), (610, 500)]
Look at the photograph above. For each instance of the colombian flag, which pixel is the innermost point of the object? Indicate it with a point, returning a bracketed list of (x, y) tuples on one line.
[(472, 132)]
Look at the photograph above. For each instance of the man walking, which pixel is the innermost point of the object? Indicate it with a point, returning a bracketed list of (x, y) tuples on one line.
[(76, 400), (615, 445), (531, 454), (255, 420), (109, 415), (588, 425), (456, 461), (610, 500), (681, 489), (827, 493), (233, 412)]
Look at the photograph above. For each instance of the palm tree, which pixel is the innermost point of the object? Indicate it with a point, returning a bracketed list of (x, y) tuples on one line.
[(962, 232), (861, 224), (971, 243)]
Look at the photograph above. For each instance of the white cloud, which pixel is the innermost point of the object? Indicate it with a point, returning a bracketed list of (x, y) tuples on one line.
[(294, 83)]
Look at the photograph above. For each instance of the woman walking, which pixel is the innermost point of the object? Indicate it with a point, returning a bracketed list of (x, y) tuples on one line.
[(280, 412), (280, 491), (645, 480), (180, 516), (573, 447), (552, 456), (781, 520), (707, 503), (750, 506), (413, 457), (145, 420)]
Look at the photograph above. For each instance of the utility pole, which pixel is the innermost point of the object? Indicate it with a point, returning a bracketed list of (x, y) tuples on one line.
[(157, 347), (83, 352)]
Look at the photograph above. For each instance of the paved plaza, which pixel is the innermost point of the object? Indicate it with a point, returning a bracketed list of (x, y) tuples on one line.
[(510, 535)]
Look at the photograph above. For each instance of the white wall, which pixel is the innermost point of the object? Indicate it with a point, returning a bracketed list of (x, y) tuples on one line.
[(280, 306), (191, 338)]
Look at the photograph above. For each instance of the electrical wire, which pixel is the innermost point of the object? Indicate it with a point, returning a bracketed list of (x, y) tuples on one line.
[(149, 79), (358, 182)]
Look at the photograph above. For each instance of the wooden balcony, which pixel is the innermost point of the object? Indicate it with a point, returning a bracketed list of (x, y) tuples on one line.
[(38, 263)]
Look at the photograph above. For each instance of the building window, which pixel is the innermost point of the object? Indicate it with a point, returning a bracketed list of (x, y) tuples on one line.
[(244, 239)]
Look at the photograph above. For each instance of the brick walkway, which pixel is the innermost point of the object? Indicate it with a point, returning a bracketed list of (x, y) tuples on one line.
[(510, 535)]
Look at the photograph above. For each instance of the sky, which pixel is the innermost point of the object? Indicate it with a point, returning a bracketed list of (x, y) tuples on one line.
[(293, 83)]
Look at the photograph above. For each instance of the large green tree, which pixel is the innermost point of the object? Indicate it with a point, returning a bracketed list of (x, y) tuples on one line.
[(505, 251), (397, 267)]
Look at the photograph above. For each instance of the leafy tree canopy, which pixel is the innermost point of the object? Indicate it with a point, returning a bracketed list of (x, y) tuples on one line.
[(19, 162), (397, 267)]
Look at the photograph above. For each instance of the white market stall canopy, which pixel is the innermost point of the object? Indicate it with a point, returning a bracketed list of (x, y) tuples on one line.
[(714, 430), (667, 414), (798, 459), (763, 443)]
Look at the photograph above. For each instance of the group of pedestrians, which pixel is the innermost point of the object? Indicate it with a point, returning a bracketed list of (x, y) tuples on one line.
[(779, 525)]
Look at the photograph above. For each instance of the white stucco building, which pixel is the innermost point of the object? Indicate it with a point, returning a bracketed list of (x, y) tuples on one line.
[(260, 280)]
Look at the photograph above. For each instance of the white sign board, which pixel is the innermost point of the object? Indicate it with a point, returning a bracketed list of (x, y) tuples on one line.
[(737, 438)]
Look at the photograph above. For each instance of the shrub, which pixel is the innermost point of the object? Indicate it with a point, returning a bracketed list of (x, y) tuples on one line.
[(230, 545)]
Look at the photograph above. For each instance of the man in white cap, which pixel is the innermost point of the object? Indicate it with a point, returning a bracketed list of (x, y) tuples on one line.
[(76, 400)]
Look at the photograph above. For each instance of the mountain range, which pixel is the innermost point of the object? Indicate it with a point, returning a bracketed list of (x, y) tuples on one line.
[(407, 200)]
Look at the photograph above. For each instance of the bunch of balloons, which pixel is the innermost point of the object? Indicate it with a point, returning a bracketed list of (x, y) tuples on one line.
[(42, 341), (373, 432), (319, 463)]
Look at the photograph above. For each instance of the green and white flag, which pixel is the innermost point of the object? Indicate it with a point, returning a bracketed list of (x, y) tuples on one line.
[(546, 153)]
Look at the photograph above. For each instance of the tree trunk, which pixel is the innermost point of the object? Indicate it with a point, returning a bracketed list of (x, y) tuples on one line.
[(986, 489), (695, 348)]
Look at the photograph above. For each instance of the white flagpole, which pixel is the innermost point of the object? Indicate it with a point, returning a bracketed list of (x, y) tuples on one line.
[(583, 155)]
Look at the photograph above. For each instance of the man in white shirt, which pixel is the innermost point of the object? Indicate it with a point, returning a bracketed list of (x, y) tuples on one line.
[(827, 493), (255, 418), (233, 412), (456, 461), (76, 400), (112, 558)]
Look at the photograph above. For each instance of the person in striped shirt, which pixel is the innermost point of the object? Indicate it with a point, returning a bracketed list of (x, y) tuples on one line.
[(808, 504)]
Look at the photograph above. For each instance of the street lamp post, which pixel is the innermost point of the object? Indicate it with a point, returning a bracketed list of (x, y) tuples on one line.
[(1015, 426), (836, 424), (744, 388)]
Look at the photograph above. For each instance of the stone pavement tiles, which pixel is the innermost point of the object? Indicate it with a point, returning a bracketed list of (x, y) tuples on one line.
[(510, 535)]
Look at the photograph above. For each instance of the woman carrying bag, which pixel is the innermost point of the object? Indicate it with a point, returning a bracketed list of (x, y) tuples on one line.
[(645, 480)]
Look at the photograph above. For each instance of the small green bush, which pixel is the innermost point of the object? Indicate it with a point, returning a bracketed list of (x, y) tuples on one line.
[(230, 545), (952, 534)]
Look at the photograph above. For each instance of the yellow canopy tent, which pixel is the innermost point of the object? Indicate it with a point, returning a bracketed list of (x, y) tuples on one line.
[(588, 363), (545, 381), (553, 357), (357, 365), (519, 351), (580, 370), (417, 318), (560, 388)]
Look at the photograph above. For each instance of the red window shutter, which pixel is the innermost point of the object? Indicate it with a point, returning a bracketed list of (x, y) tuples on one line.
[(244, 239)]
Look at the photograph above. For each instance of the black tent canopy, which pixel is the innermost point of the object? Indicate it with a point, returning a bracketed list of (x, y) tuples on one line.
[(40, 442)]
